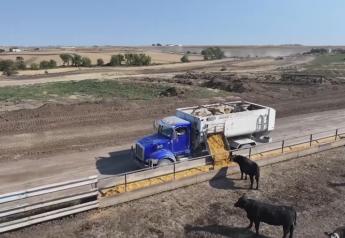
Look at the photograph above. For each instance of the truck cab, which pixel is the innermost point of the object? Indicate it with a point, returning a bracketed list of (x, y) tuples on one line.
[(170, 143)]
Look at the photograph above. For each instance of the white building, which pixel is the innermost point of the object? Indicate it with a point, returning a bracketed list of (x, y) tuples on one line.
[(15, 49)]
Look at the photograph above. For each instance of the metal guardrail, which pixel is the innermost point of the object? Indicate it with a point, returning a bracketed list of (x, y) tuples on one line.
[(13, 215)]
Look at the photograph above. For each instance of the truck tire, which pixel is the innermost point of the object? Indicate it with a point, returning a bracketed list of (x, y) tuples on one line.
[(164, 162)]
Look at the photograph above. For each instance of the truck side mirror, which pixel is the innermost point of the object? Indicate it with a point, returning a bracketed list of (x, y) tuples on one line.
[(155, 125)]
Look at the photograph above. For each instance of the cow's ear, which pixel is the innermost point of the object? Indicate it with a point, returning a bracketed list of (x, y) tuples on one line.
[(328, 234)]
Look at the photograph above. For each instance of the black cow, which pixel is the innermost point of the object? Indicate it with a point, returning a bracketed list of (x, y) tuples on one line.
[(271, 214), (248, 167), (338, 233)]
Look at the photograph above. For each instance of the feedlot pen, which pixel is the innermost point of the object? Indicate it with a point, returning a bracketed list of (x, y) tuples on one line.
[(314, 185), (139, 184)]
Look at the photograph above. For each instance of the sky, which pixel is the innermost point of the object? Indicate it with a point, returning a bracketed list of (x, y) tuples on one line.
[(187, 22)]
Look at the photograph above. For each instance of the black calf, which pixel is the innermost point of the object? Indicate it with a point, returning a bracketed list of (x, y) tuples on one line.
[(248, 167)]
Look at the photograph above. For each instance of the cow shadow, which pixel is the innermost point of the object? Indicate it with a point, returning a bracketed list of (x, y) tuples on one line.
[(231, 232), (333, 185), (221, 181), (116, 163)]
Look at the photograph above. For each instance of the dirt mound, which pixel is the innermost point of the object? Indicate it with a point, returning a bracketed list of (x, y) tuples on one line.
[(227, 82), (236, 85), (172, 92), (188, 75), (303, 78)]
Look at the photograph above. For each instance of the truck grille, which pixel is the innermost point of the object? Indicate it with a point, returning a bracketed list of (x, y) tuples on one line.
[(139, 151)]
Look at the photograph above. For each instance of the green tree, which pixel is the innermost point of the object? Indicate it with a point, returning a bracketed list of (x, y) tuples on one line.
[(86, 62), (137, 59), (145, 59), (100, 62), (76, 60), (116, 60), (66, 59), (44, 64), (34, 66), (212, 53), (8, 67), (185, 59), (52, 64), (20, 64)]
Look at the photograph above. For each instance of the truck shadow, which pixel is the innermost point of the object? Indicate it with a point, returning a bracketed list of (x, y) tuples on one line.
[(232, 232), (116, 163), (221, 181)]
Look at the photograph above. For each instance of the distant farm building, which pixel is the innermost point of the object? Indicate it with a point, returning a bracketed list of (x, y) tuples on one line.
[(15, 49)]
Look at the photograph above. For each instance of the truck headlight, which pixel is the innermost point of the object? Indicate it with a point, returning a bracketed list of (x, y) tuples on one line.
[(152, 162)]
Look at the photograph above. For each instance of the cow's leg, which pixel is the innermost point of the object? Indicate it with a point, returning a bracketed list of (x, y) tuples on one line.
[(241, 174), (291, 231), (251, 181), (245, 177), (257, 225), (285, 231), (257, 182), (250, 224)]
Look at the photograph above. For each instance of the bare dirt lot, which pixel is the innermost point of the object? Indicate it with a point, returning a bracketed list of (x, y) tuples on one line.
[(85, 126), (79, 122), (314, 185)]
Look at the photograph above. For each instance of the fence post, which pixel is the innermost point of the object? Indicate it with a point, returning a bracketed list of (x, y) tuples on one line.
[(95, 185), (336, 134), (213, 162), (174, 171), (283, 143), (250, 152), (311, 139), (126, 182)]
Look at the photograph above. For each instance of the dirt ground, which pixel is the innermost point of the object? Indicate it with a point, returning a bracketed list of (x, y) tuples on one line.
[(55, 128), (37, 129), (314, 185)]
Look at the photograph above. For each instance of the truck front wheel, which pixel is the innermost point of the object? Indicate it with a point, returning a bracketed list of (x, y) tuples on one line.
[(164, 162)]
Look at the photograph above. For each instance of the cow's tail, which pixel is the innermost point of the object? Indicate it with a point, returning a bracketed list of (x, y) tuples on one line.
[(257, 172)]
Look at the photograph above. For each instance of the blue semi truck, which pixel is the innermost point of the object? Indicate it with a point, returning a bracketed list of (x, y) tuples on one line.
[(184, 135)]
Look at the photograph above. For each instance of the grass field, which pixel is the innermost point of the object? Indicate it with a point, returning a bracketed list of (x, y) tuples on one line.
[(328, 59), (95, 89)]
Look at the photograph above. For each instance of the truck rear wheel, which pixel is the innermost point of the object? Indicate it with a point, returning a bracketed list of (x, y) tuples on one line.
[(164, 162)]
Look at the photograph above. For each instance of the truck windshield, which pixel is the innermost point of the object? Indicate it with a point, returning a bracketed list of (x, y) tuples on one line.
[(165, 131)]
